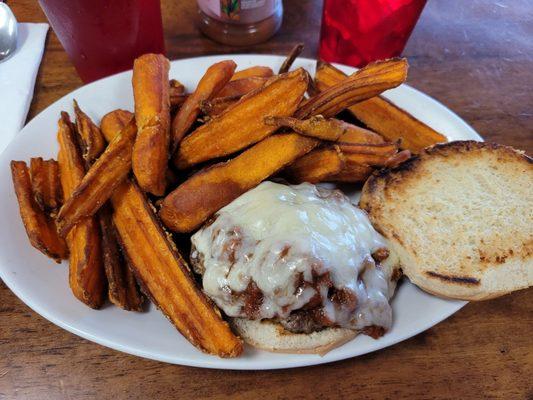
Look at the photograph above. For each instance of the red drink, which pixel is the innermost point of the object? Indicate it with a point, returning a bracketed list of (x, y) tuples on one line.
[(103, 37), (356, 32)]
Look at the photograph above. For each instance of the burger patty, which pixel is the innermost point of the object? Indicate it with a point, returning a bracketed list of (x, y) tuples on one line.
[(301, 255), (311, 317)]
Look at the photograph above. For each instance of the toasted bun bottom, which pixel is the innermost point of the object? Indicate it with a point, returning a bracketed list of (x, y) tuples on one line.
[(271, 336)]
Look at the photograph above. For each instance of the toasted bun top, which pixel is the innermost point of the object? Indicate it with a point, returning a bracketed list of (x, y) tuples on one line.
[(460, 217)]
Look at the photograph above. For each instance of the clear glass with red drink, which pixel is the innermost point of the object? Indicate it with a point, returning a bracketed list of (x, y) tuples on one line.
[(356, 32), (103, 37)]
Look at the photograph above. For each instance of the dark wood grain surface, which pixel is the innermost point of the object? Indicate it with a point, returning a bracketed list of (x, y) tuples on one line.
[(474, 56)]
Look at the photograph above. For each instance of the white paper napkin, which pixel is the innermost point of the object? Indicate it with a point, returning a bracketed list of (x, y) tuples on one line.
[(17, 79)]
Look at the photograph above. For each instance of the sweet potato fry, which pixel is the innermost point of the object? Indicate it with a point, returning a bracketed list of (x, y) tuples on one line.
[(122, 288), (350, 138), (176, 92), (316, 166), (165, 276), (240, 87), (398, 158), (206, 192), (357, 135), (293, 54), (312, 89), (214, 79), (265, 72), (40, 228), (96, 187), (92, 141), (242, 124), (216, 106), (372, 160), (368, 82), (86, 269), (113, 122), (382, 149), (177, 100), (176, 86), (352, 172), (318, 127), (152, 113), (71, 165), (382, 116), (45, 183), (372, 154), (113, 129)]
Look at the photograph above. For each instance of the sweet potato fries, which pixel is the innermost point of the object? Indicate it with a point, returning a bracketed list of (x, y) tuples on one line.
[(240, 87), (45, 183), (113, 122), (165, 276), (214, 107), (206, 192), (95, 188), (291, 57), (91, 139), (242, 124), (258, 70), (40, 228), (316, 166), (317, 127), (381, 115), (152, 113), (361, 85), (95, 205), (215, 78), (122, 288), (86, 269)]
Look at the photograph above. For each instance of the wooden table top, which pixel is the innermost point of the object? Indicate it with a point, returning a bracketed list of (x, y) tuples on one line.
[(474, 56)]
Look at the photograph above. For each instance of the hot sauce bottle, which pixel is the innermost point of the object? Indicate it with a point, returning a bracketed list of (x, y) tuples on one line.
[(240, 22)]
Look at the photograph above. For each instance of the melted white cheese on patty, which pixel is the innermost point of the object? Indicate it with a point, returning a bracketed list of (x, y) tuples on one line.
[(275, 234)]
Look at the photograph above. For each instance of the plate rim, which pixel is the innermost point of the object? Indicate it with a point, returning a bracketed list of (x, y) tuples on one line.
[(215, 362)]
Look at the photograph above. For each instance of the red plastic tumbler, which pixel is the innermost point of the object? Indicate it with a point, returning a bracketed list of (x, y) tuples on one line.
[(356, 32), (103, 37)]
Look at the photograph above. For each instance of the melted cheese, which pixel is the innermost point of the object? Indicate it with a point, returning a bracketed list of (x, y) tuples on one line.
[(275, 234)]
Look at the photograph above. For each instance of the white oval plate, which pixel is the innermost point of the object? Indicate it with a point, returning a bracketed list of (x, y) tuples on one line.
[(43, 285)]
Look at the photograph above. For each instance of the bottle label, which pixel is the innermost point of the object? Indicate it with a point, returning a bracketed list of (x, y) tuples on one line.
[(244, 11)]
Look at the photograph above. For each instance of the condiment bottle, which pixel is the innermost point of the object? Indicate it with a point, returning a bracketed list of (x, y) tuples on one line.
[(240, 22)]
